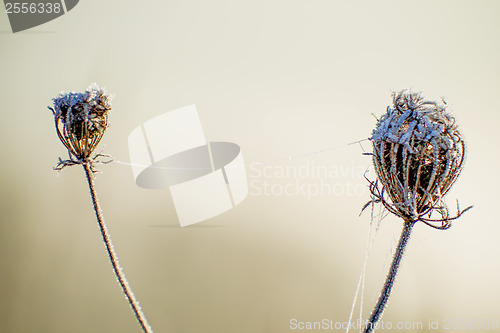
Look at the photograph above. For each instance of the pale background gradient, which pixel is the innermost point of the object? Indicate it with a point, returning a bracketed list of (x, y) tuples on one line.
[(279, 78)]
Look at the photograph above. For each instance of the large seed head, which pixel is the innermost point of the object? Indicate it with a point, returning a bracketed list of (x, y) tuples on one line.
[(81, 119), (418, 153)]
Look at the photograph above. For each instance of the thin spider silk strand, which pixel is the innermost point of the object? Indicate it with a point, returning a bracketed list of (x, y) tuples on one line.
[(359, 292), (273, 161)]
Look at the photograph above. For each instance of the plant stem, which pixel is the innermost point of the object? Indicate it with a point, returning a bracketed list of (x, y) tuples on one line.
[(391, 276), (120, 275)]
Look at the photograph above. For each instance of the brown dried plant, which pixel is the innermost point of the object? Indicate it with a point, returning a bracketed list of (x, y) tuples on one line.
[(81, 120), (418, 153)]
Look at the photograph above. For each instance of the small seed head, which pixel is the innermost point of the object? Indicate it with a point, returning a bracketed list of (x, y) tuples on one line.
[(418, 154), (81, 119)]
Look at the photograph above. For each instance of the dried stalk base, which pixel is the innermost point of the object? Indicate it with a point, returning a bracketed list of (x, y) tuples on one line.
[(391, 276), (122, 280)]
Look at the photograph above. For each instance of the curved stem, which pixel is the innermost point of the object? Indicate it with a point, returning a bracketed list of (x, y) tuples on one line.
[(122, 280), (391, 276)]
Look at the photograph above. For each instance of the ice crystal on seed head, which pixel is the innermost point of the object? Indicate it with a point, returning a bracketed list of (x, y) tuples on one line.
[(413, 116)]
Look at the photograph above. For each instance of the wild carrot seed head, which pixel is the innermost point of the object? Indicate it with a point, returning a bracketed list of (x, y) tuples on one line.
[(81, 119), (418, 153)]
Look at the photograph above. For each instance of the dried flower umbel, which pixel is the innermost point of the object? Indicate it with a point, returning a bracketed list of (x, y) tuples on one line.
[(81, 120), (418, 153)]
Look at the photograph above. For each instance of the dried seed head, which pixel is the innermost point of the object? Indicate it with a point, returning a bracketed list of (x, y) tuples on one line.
[(81, 119), (418, 154)]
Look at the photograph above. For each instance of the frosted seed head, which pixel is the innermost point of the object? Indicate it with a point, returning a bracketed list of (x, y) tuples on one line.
[(418, 153), (81, 119)]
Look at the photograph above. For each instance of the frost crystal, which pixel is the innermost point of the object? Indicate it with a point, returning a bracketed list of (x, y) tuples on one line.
[(413, 116)]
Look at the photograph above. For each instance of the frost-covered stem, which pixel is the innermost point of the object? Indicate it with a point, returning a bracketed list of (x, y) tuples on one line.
[(122, 280), (391, 276)]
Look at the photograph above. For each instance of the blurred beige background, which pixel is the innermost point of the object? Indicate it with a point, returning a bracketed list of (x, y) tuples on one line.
[(280, 78)]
